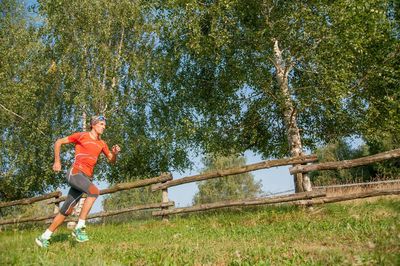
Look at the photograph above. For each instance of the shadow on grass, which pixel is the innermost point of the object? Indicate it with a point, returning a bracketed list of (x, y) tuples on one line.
[(65, 237), (60, 238)]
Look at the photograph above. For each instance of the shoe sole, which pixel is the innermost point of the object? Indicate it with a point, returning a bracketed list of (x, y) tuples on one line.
[(80, 241), (39, 243)]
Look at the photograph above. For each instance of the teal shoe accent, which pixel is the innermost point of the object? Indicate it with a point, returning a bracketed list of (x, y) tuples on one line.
[(80, 234), (42, 242)]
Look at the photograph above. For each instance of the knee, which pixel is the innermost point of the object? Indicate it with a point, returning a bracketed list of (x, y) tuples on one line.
[(67, 211), (93, 191)]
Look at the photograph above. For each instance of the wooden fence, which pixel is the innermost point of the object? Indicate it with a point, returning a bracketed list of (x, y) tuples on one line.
[(164, 181)]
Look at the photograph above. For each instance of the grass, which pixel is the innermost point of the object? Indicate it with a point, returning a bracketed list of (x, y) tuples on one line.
[(360, 233)]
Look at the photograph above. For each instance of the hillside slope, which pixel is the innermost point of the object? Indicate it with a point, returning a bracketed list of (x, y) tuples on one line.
[(366, 232)]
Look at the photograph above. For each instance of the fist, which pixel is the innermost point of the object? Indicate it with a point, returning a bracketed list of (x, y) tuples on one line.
[(57, 166), (116, 149)]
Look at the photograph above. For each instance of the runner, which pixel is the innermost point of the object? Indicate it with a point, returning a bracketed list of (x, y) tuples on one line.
[(88, 146)]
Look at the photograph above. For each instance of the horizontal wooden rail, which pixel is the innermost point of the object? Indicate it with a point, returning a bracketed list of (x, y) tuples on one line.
[(139, 183), (26, 219), (346, 163), (92, 216), (237, 170), (27, 201), (124, 186), (365, 184), (247, 202), (353, 196)]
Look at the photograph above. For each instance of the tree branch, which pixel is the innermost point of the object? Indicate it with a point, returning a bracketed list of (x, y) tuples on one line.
[(17, 115)]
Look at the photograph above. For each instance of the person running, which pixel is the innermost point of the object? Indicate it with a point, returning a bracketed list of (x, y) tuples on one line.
[(88, 146)]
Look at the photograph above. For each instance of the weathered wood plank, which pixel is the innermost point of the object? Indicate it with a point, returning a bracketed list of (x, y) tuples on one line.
[(237, 170), (346, 163), (27, 201), (131, 209), (26, 219), (125, 186), (247, 202), (92, 216), (353, 196), (139, 183), (365, 184)]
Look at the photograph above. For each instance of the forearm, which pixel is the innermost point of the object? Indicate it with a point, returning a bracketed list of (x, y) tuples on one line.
[(113, 158), (57, 148)]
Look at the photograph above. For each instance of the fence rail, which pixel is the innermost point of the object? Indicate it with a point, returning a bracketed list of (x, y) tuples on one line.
[(237, 170), (27, 201), (352, 196), (165, 180), (92, 216), (125, 186), (247, 202), (384, 182), (346, 163)]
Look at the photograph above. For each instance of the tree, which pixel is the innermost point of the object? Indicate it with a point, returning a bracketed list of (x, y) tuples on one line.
[(66, 61), (26, 125), (102, 51), (277, 77), (226, 188)]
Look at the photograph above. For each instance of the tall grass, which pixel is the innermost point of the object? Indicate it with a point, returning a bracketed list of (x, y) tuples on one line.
[(363, 233)]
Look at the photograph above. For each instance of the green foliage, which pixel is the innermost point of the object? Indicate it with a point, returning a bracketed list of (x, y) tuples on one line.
[(103, 56), (342, 150), (223, 72), (338, 151), (73, 57), (179, 77), (26, 125), (226, 188), (384, 142)]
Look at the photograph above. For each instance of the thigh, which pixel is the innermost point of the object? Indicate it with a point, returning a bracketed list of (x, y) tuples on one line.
[(74, 194), (79, 181)]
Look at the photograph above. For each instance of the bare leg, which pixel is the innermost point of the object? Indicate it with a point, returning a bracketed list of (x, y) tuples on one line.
[(86, 207), (58, 220)]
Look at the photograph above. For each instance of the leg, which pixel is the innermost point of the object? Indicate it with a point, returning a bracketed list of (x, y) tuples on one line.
[(82, 183), (89, 201), (58, 220), (79, 232), (73, 197)]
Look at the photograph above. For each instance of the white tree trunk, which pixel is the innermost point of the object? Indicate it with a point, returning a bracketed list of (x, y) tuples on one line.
[(302, 181)]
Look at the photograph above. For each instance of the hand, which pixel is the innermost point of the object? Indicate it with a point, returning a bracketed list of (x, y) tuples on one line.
[(57, 166), (116, 149)]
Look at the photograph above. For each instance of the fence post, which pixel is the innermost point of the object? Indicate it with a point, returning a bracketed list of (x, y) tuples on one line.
[(56, 205), (165, 200)]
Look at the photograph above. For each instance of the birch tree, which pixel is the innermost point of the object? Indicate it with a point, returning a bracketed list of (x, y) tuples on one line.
[(276, 77)]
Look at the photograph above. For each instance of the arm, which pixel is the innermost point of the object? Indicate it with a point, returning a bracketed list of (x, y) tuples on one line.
[(57, 148), (112, 156)]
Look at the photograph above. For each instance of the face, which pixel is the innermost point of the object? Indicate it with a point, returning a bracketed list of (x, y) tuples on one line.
[(99, 127)]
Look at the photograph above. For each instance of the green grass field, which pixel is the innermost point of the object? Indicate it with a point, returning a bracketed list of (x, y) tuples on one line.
[(353, 233)]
